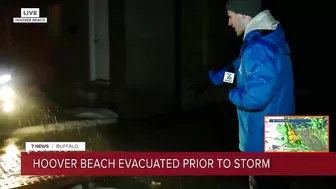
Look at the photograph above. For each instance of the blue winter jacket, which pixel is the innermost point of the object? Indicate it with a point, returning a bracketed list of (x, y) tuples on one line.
[(265, 83)]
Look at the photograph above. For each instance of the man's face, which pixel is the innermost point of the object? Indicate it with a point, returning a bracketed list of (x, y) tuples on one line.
[(236, 22)]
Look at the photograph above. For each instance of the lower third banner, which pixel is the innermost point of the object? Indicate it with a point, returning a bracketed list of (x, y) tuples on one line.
[(175, 164)]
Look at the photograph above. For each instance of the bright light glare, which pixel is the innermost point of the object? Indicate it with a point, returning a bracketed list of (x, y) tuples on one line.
[(5, 78), (11, 151), (6, 93), (8, 106)]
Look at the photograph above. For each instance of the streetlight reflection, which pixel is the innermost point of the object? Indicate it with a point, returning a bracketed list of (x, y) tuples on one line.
[(10, 169), (12, 153)]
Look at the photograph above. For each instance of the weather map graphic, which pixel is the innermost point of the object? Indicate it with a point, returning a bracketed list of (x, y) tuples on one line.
[(296, 134)]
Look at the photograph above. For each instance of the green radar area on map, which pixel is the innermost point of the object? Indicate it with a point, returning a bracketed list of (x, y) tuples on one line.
[(297, 134)]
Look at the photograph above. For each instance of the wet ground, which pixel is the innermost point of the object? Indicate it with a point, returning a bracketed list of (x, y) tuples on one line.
[(212, 128)]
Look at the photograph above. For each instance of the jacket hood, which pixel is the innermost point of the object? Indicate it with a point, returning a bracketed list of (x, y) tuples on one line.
[(265, 21), (262, 21)]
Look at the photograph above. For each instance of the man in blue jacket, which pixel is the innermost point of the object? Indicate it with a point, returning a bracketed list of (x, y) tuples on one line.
[(262, 75)]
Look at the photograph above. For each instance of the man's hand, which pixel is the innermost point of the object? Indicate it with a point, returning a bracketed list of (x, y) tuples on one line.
[(225, 75), (216, 77)]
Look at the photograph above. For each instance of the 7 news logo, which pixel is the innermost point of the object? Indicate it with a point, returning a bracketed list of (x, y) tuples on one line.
[(39, 145)]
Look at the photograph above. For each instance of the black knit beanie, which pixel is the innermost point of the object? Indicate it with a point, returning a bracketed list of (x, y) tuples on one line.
[(245, 7)]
